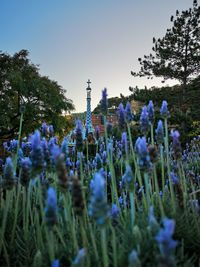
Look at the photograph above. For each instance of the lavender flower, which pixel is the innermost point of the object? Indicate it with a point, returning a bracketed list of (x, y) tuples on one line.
[(45, 149), (98, 161), (133, 259), (160, 132), (52, 141), (51, 130), (164, 110), (144, 121), (124, 143), (79, 258), (150, 110), (115, 211), (36, 155), (44, 129), (128, 177), (55, 152), (26, 147), (144, 161), (64, 147), (177, 151), (123, 200), (13, 146), (128, 112), (59, 161), (98, 208), (121, 116), (174, 178), (68, 164), (9, 179), (104, 102), (104, 157), (55, 263), (25, 171), (164, 238), (153, 224), (51, 207)]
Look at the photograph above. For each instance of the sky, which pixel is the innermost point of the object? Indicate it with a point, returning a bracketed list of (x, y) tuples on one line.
[(76, 40)]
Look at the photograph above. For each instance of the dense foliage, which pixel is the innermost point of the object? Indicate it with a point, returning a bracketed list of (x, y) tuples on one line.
[(132, 204), (23, 89), (185, 117)]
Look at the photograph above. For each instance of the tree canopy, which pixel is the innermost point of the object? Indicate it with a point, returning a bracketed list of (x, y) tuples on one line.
[(22, 86), (177, 54)]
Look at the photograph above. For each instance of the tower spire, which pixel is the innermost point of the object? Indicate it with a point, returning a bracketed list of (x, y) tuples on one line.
[(89, 115)]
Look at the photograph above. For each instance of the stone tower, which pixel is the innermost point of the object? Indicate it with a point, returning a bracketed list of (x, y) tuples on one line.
[(88, 124)]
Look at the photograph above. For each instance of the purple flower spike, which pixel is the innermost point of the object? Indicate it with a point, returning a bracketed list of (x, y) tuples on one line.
[(44, 129), (26, 166), (129, 114), (51, 130), (128, 177), (174, 178), (37, 156), (78, 261), (55, 263), (133, 259), (8, 172), (177, 151), (98, 208), (164, 238), (115, 211), (51, 207), (124, 142), (160, 132), (142, 151), (153, 224), (144, 121), (150, 109), (121, 116), (164, 109)]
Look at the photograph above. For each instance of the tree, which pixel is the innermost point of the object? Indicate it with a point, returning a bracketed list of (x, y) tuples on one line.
[(21, 85), (177, 54)]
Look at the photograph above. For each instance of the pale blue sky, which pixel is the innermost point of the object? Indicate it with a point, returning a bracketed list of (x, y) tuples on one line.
[(73, 40)]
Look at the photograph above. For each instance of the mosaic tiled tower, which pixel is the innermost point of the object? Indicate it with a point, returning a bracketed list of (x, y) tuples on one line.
[(88, 124)]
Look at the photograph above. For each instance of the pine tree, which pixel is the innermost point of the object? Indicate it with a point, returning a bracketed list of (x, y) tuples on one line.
[(177, 54)]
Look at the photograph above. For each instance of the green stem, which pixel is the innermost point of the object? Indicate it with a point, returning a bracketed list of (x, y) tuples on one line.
[(146, 180), (16, 213), (137, 170), (114, 246), (104, 247), (162, 168), (131, 194), (152, 138), (168, 166), (5, 215), (93, 242)]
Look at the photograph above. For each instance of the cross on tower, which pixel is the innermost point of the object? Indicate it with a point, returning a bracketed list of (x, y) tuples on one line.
[(88, 82)]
